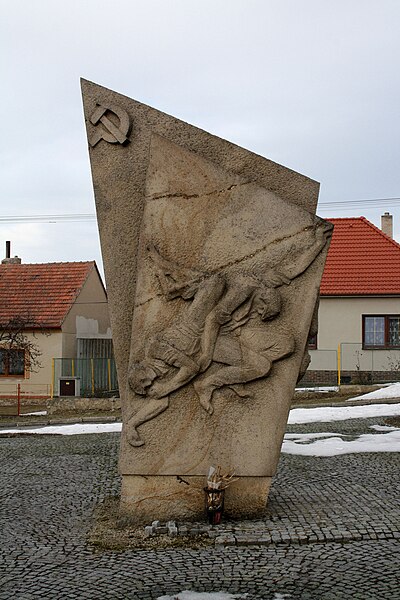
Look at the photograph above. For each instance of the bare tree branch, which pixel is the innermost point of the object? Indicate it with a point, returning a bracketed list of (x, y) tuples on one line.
[(14, 337)]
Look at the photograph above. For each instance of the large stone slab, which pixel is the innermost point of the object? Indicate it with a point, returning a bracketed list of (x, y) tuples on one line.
[(213, 258)]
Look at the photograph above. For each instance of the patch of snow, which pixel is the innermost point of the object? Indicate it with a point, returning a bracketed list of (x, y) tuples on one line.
[(75, 429), (387, 391), (326, 414), (308, 436), (322, 414), (303, 444), (324, 388), (37, 413), (187, 595), (383, 428)]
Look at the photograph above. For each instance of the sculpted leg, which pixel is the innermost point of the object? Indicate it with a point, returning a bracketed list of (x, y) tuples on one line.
[(161, 388), (151, 409), (229, 376)]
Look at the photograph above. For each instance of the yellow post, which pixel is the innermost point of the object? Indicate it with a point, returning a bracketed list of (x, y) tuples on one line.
[(109, 374), (92, 364), (72, 367), (338, 364), (52, 379)]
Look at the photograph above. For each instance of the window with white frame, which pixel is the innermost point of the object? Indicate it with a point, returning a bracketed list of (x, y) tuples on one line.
[(381, 331)]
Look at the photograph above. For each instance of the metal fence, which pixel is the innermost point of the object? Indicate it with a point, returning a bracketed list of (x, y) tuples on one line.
[(97, 376), (323, 369), (25, 390), (352, 364), (359, 365), (16, 398)]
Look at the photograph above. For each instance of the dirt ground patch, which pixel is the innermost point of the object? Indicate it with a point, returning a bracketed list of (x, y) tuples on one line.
[(114, 531), (340, 395), (393, 421)]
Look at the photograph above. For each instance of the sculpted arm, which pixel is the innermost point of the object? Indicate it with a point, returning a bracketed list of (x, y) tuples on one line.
[(294, 268), (206, 298)]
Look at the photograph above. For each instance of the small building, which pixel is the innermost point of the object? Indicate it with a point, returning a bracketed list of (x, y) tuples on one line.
[(359, 312), (63, 310)]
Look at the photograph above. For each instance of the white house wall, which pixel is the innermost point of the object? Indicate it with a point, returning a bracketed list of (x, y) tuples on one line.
[(88, 317), (340, 322), (37, 383)]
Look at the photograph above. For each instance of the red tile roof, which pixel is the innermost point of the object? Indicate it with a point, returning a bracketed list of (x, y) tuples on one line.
[(362, 260), (42, 293)]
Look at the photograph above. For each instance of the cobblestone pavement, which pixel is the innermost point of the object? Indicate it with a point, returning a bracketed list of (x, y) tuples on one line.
[(332, 528)]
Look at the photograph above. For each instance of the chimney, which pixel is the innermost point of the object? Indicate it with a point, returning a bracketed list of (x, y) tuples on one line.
[(387, 224), (8, 260)]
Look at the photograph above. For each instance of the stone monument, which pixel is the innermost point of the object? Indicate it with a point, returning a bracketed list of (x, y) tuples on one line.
[(213, 258)]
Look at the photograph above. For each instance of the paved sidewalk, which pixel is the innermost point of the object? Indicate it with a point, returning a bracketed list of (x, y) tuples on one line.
[(332, 523)]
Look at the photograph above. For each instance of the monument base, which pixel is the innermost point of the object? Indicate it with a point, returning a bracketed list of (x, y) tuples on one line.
[(166, 497)]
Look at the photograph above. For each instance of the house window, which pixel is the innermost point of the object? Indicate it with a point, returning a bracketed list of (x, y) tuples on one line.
[(312, 342), (12, 363), (381, 331)]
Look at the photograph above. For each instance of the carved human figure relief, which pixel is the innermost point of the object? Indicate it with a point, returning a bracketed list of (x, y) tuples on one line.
[(228, 332), (213, 258)]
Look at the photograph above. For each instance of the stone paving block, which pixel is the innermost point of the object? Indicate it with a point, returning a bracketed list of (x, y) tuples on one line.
[(172, 531), (161, 530), (225, 540), (148, 531)]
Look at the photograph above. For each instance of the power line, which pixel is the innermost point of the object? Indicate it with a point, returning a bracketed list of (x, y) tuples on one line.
[(370, 203), (75, 217), (362, 201), (47, 218)]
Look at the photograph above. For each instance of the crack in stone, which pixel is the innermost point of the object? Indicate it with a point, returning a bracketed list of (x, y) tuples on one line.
[(148, 300), (190, 196), (237, 261), (258, 251)]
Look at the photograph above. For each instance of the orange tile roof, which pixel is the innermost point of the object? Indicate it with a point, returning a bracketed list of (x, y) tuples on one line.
[(43, 293), (362, 260)]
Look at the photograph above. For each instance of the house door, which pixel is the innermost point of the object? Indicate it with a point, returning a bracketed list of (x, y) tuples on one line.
[(67, 387)]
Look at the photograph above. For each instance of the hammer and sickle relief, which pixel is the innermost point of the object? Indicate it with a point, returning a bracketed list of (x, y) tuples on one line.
[(109, 131)]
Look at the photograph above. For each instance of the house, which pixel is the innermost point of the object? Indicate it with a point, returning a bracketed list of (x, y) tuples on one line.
[(62, 309), (359, 312)]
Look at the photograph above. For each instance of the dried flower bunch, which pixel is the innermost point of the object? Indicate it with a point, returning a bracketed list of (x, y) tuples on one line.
[(216, 480)]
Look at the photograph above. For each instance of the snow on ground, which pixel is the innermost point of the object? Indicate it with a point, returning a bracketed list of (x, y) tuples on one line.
[(388, 391), (330, 444), (321, 414), (324, 388), (38, 413), (75, 429), (383, 428), (306, 444), (325, 414)]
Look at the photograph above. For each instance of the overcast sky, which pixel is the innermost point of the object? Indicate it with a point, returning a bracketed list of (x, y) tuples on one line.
[(311, 84)]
